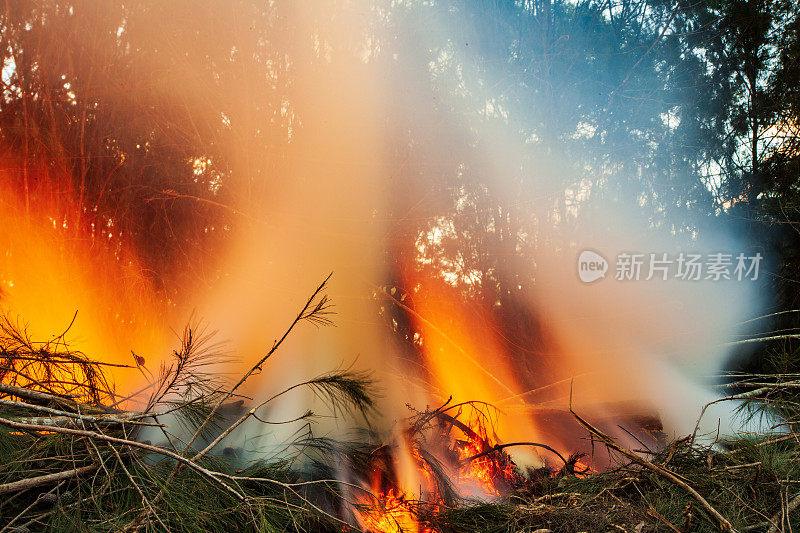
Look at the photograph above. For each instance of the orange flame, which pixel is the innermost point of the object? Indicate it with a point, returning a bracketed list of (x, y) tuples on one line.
[(464, 358), (393, 515), (61, 270), (482, 470)]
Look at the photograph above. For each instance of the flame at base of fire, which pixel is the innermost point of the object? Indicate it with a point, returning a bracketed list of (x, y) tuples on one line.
[(394, 514), (452, 459)]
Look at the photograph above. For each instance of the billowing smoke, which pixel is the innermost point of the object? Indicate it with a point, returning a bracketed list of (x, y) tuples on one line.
[(372, 130), (361, 142)]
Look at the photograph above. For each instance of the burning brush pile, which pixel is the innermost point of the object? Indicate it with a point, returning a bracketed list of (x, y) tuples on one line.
[(77, 456), (547, 234)]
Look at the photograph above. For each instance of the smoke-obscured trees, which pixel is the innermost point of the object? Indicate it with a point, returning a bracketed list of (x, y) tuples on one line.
[(162, 122)]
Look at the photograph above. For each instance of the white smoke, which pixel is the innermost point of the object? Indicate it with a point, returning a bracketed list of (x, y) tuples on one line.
[(650, 342)]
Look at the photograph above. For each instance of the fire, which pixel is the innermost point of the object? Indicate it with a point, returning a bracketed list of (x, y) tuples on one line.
[(389, 505), (479, 466), (69, 278), (467, 370), (468, 457), (394, 514), (465, 359), (317, 188)]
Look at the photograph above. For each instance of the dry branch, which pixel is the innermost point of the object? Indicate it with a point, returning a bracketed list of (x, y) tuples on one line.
[(38, 481), (34, 395), (790, 508), (64, 418)]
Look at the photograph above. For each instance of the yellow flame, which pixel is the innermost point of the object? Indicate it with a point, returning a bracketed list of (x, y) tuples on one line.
[(51, 269), (466, 359)]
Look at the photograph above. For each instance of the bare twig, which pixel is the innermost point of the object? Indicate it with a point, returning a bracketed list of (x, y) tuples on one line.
[(499, 447), (136, 486), (304, 314)]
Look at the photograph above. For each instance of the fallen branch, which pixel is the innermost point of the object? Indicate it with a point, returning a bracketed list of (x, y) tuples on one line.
[(67, 421), (764, 386), (60, 416), (38, 481), (35, 396)]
